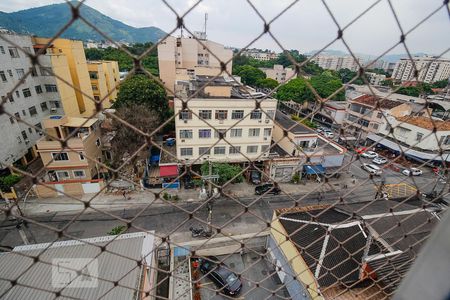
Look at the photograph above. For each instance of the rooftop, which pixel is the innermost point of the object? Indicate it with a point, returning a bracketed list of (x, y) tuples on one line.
[(290, 125), (373, 101), (119, 261), (79, 122), (425, 122)]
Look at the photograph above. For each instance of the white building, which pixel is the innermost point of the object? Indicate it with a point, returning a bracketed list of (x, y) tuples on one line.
[(279, 73), (374, 78), (32, 101), (261, 55), (332, 62), (430, 69)]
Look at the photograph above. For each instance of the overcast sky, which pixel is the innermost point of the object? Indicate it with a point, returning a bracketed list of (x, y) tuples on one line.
[(305, 26)]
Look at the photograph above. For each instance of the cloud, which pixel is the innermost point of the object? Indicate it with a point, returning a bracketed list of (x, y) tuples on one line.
[(306, 26)]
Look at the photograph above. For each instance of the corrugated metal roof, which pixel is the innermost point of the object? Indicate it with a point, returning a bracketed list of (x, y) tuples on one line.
[(117, 263)]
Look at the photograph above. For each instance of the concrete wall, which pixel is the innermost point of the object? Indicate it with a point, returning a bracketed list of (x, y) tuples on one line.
[(74, 188)]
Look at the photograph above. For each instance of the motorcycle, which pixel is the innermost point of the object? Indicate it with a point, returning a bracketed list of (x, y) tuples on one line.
[(199, 232)]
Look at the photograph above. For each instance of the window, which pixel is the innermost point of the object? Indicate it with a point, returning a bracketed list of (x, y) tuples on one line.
[(79, 174), (11, 119), (235, 149), (447, 140), (375, 126), (55, 104), (204, 133), (204, 114), (267, 132), (26, 93), (38, 89), (93, 75), (10, 97), (96, 98), (62, 175), (17, 115), (256, 115), (3, 76), (204, 151), (60, 156), (24, 135), (20, 73), (186, 134), (46, 71), (270, 114), (98, 143), (24, 112), (219, 150), (252, 149), (264, 148), (51, 88), (419, 136), (2, 50), (17, 94), (186, 151), (236, 132), (388, 127), (185, 115), (34, 72), (30, 130), (13, 52), (221, 114), (253, 132), (81, 154), (38, 125), (379, 115), (32, 111), (94, 87), (237, 114), (10, 73), (44, 106), (223, 131)]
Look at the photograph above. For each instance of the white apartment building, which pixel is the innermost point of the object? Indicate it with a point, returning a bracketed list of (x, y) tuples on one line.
[(374, 78), (261, 55), (32, 101), (430, 69), (332, 62), (247, 133), (279, 73), (181, 58), (416, 137)]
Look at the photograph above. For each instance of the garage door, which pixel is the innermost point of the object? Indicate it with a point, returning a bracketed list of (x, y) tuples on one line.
[(89, 188)]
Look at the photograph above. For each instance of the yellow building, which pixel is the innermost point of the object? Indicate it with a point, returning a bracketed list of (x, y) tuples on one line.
[(70, 170), (71, 69), (105, 79)]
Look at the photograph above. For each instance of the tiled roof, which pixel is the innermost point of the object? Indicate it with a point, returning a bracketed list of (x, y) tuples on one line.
[(425, 122), (373, 100)]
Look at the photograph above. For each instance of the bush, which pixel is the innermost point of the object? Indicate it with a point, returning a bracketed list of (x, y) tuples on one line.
[(6, 182), (117, 230), (296, 178), (166, 196)]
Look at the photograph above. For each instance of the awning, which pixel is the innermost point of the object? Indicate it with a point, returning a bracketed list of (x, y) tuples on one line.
[(314, 169), (168, 171)]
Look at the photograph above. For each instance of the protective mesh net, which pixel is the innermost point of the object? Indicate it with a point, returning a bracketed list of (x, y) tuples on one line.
[(344, 233)]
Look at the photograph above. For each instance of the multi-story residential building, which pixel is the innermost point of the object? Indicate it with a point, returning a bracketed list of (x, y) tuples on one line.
[(180, 58), (261, 55), (246, 131), (415, 137), (279, 73), (332, 62), (69, 65), (105, 79), (374, 78), (31, 101), (430, 69), (365, 114), (73, 170)]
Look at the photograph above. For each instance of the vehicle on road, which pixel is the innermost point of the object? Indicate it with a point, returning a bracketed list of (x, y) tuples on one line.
[(379, 160), (328, 133), (372, 169), (369, 154), (219, 273), (255, 177), (412, 172), (268, 188), (361, 150)]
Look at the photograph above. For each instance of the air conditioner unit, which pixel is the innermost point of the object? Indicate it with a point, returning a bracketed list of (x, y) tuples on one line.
[(182, 141), (27, 141), (53, 110), (259, 121), (185, 121), (267, 121), (265, 138)]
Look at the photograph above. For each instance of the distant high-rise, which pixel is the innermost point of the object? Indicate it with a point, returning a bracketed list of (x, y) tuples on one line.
[(430, 69), (331, 62)]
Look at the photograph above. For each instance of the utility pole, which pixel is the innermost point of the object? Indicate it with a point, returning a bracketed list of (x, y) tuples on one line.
[(210, 197)]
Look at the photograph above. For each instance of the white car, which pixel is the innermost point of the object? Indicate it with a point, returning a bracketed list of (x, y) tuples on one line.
[(369, 154), (372, 169), (412, 172), (379, 160), (328, 133)]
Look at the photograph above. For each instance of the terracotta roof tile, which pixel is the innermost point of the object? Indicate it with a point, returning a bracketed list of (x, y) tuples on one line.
[(425, 122), (372, 101)]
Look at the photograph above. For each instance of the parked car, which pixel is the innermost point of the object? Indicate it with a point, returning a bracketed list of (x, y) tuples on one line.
[(270, 188), (255, 177), (379, 160), (369, 154), (319, 130), (412, 172), (361, 150), (372, 169), (226, 280), (328, 133)]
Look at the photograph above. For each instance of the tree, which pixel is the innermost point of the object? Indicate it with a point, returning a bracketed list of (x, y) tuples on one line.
[(326, 84), (224, 170), (267, 83), (295, 90), (126, 139), (440, 84), (141, 90), (415, 91), (387, 82), (346, 75), (250, 75)]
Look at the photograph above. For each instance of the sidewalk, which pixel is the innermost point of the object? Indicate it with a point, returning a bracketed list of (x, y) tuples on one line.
[(139, 199)]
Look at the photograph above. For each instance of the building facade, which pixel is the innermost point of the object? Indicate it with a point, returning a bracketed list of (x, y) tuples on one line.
[(261, 55), (33, 100), (430, 69), (73, 170), (332, 62), (279, 73), (374, 78), (182, 57), (105, 79)]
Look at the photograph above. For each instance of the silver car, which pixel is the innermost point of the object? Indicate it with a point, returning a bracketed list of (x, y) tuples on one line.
[(372, 169), (379, 160)]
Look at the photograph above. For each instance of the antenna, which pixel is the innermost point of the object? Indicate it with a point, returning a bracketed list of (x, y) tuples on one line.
[(206, 20)]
